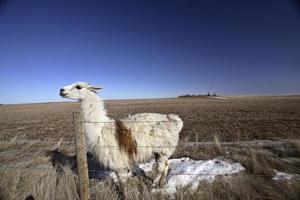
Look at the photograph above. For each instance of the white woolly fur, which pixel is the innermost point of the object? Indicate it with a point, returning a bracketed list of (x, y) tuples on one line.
[(153, 133)]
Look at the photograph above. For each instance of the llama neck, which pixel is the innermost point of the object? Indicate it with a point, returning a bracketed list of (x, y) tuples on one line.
[(94, 110)]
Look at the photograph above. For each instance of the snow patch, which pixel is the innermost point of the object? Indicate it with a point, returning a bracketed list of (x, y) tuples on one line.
[(188, 172), (184, 172), (219, 97), (147, 166), (282, 176)]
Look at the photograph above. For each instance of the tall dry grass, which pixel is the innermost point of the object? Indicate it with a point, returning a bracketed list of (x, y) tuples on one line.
[(26, 169), (38, 170)]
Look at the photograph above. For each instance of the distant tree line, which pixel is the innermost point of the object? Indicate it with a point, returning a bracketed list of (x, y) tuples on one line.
[(199, 95)]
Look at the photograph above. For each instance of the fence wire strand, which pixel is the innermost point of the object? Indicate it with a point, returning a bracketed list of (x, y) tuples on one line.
[(75, 123), (109, 171)]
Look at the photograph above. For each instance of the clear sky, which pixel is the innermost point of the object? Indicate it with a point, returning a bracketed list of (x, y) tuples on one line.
[(155, 48)]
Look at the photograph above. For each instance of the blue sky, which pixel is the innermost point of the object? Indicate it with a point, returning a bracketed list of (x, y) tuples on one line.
[(148, 49)]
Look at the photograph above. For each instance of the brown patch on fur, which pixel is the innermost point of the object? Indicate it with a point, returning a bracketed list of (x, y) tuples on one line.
[(125, 140)]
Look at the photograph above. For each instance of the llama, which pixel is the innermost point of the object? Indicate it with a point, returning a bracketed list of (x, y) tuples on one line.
[(120, 144)]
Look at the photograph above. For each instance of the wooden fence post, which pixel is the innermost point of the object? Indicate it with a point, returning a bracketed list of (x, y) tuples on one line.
[(82, 167)]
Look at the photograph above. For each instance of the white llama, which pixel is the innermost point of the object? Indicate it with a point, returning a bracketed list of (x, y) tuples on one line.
[(119, 144)]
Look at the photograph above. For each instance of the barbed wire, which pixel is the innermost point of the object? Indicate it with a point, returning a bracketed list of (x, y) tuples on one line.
[(33, 141), (127, 172), (112, 146), (188, 143), (198, 123), (106, 173)]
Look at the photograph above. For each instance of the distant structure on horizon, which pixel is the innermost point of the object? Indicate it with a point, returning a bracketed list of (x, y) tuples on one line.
[(198, 95)]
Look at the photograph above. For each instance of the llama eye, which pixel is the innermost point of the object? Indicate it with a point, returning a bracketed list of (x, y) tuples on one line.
[(78, 87)]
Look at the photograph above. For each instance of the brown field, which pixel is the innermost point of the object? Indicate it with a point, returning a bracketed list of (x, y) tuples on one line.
[(262, 133)]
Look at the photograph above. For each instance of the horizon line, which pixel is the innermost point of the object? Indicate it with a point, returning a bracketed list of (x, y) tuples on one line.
[(151, 98)]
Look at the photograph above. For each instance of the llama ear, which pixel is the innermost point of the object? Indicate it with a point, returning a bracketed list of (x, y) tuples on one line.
[(95, 88)]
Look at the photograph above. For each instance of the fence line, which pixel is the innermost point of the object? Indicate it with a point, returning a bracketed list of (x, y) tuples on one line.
[(42, 123), (107, 171), (185, 123), (129, 122), (190, 143), (144, 121), (36, 141)]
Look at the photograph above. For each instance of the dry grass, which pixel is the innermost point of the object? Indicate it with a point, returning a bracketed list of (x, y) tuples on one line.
[(26, 169), (212, 128), (243, 187)]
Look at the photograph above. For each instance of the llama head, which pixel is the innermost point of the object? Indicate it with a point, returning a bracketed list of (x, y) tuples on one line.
[(79, 91)]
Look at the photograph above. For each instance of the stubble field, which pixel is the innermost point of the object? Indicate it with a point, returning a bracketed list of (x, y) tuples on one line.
[(262, 133)]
